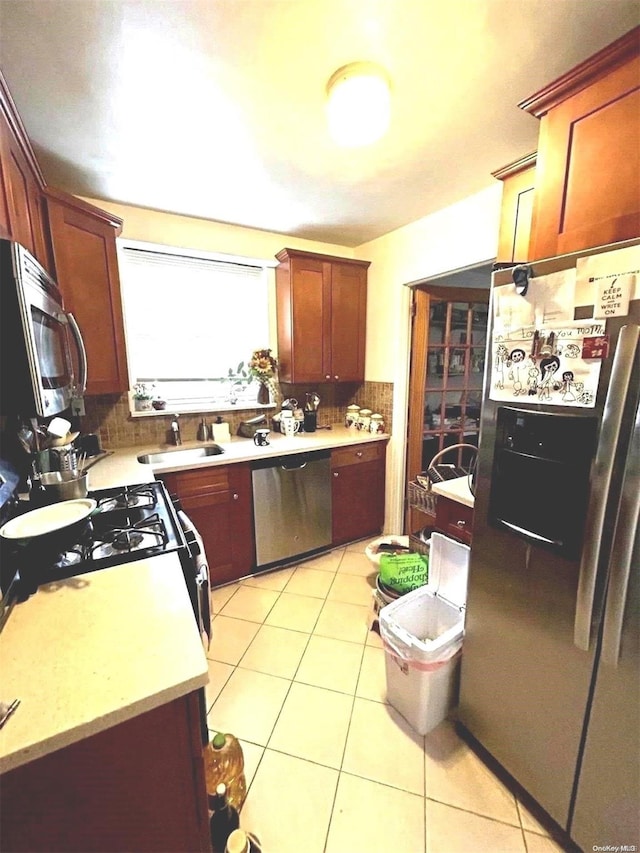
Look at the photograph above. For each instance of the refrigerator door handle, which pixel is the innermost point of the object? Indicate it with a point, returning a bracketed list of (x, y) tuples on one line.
[(601, 481), (622, 551)]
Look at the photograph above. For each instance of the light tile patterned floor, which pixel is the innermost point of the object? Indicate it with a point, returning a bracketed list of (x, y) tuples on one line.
[(331, 766)]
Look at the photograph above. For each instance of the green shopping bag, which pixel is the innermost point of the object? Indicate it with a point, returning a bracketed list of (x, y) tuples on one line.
[(404, 572)]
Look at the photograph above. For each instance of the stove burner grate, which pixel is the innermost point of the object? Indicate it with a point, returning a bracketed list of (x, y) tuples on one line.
[(130, 497), (126, 540), (149, 532)]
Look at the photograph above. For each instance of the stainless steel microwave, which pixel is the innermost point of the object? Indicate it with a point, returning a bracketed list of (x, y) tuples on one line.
[(43, 363)]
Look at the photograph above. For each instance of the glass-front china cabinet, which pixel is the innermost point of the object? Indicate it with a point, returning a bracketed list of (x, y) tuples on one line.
[(445, 389)]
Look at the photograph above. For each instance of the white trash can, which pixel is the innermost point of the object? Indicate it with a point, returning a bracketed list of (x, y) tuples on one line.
[(422, 634)]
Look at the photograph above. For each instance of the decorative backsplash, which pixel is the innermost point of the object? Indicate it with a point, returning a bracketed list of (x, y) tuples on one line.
[(109, 415)]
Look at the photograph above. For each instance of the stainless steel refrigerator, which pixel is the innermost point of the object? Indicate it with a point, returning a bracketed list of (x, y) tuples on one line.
[(550, 676)]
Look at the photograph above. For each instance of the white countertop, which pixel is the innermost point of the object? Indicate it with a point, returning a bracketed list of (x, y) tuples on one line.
[(456, 490), (95, 650), (92, 651), (122, 466)]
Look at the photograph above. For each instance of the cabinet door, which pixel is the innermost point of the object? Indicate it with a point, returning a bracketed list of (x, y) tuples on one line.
[(5, 218), (518, 187), (218, 501), (136, 786), (211, 514), (588, 170), (348, 322), (86, 263), (303, 319), (241, 520), (20, 194), (357, 494)]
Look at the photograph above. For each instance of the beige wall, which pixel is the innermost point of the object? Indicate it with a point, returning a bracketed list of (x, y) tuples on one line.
[(157, 227), (453, 238), (458, 236)]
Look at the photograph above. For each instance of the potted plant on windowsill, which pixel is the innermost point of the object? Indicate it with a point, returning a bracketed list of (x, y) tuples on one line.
[(237, 379), (143, 394)]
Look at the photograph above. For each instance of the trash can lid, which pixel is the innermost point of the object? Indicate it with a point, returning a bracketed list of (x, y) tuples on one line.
[(449, 569)]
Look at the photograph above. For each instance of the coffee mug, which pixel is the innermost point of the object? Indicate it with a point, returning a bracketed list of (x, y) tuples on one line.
[(260, 438), (289, 426)]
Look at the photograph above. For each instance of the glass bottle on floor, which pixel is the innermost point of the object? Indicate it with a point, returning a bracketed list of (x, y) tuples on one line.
[(224, 819)]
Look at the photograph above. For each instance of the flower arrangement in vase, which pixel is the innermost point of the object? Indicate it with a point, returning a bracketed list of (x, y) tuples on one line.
[(263, 367), (143, 394)]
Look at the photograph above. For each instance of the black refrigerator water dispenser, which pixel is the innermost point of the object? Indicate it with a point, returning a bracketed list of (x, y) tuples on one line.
[(540, 477)]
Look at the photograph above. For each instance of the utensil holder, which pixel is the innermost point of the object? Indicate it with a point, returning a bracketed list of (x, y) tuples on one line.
[(310, 420)]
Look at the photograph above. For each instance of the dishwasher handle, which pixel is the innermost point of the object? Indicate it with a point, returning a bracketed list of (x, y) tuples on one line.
[(294, 467)]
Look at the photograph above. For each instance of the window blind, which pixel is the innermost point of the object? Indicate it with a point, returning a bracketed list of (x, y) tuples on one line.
[(190, 318)]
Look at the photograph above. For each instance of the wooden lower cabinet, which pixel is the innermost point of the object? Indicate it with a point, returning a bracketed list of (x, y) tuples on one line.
[(454, 519), (357, 491), (136, 786), (219, 501)]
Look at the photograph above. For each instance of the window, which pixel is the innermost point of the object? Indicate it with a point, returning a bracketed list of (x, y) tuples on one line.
[(191, 320)]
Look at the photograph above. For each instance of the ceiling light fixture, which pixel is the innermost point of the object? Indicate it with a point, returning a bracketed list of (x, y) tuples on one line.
[(358, 104)]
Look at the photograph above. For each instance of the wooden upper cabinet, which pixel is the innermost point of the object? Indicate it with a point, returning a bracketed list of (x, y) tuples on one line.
[(587, 184), (518, 186), (21, 183), (321, 306), (83, 240)]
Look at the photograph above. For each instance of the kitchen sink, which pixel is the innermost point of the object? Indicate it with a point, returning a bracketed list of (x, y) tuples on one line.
[(177, 457)]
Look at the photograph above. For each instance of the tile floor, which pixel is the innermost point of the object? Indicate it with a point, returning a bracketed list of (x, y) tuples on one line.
[(331, 766)]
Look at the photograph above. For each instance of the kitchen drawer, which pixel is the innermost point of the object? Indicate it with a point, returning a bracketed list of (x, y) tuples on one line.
[(454, 519), (355, 454), (198, 481)]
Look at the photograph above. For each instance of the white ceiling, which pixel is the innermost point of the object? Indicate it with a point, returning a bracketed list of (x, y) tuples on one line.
[(215, 108)]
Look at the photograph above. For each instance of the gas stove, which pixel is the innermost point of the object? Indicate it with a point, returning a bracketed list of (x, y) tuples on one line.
[(130, 523)]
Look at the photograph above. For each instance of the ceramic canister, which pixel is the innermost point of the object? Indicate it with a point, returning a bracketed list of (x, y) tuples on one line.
[(364, 419), (351, 416), (376, 424)]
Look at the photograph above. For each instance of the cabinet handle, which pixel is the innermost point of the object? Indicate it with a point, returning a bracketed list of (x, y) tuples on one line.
[(236, 496), (358, 453), (336, 378), (336, 474), (328, 376), (461, 524)]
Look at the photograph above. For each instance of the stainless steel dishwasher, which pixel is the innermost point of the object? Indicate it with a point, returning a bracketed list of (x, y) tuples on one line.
[(291, 505)]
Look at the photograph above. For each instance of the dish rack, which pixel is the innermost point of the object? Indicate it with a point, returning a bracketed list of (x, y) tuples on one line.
[(421, 495)]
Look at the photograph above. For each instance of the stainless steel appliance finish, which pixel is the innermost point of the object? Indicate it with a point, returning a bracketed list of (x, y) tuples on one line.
[(37, 365), (291, 506), (550, 680)]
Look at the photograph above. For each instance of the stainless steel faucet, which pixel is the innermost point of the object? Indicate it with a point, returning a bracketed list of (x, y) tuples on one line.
[(176, 438)]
